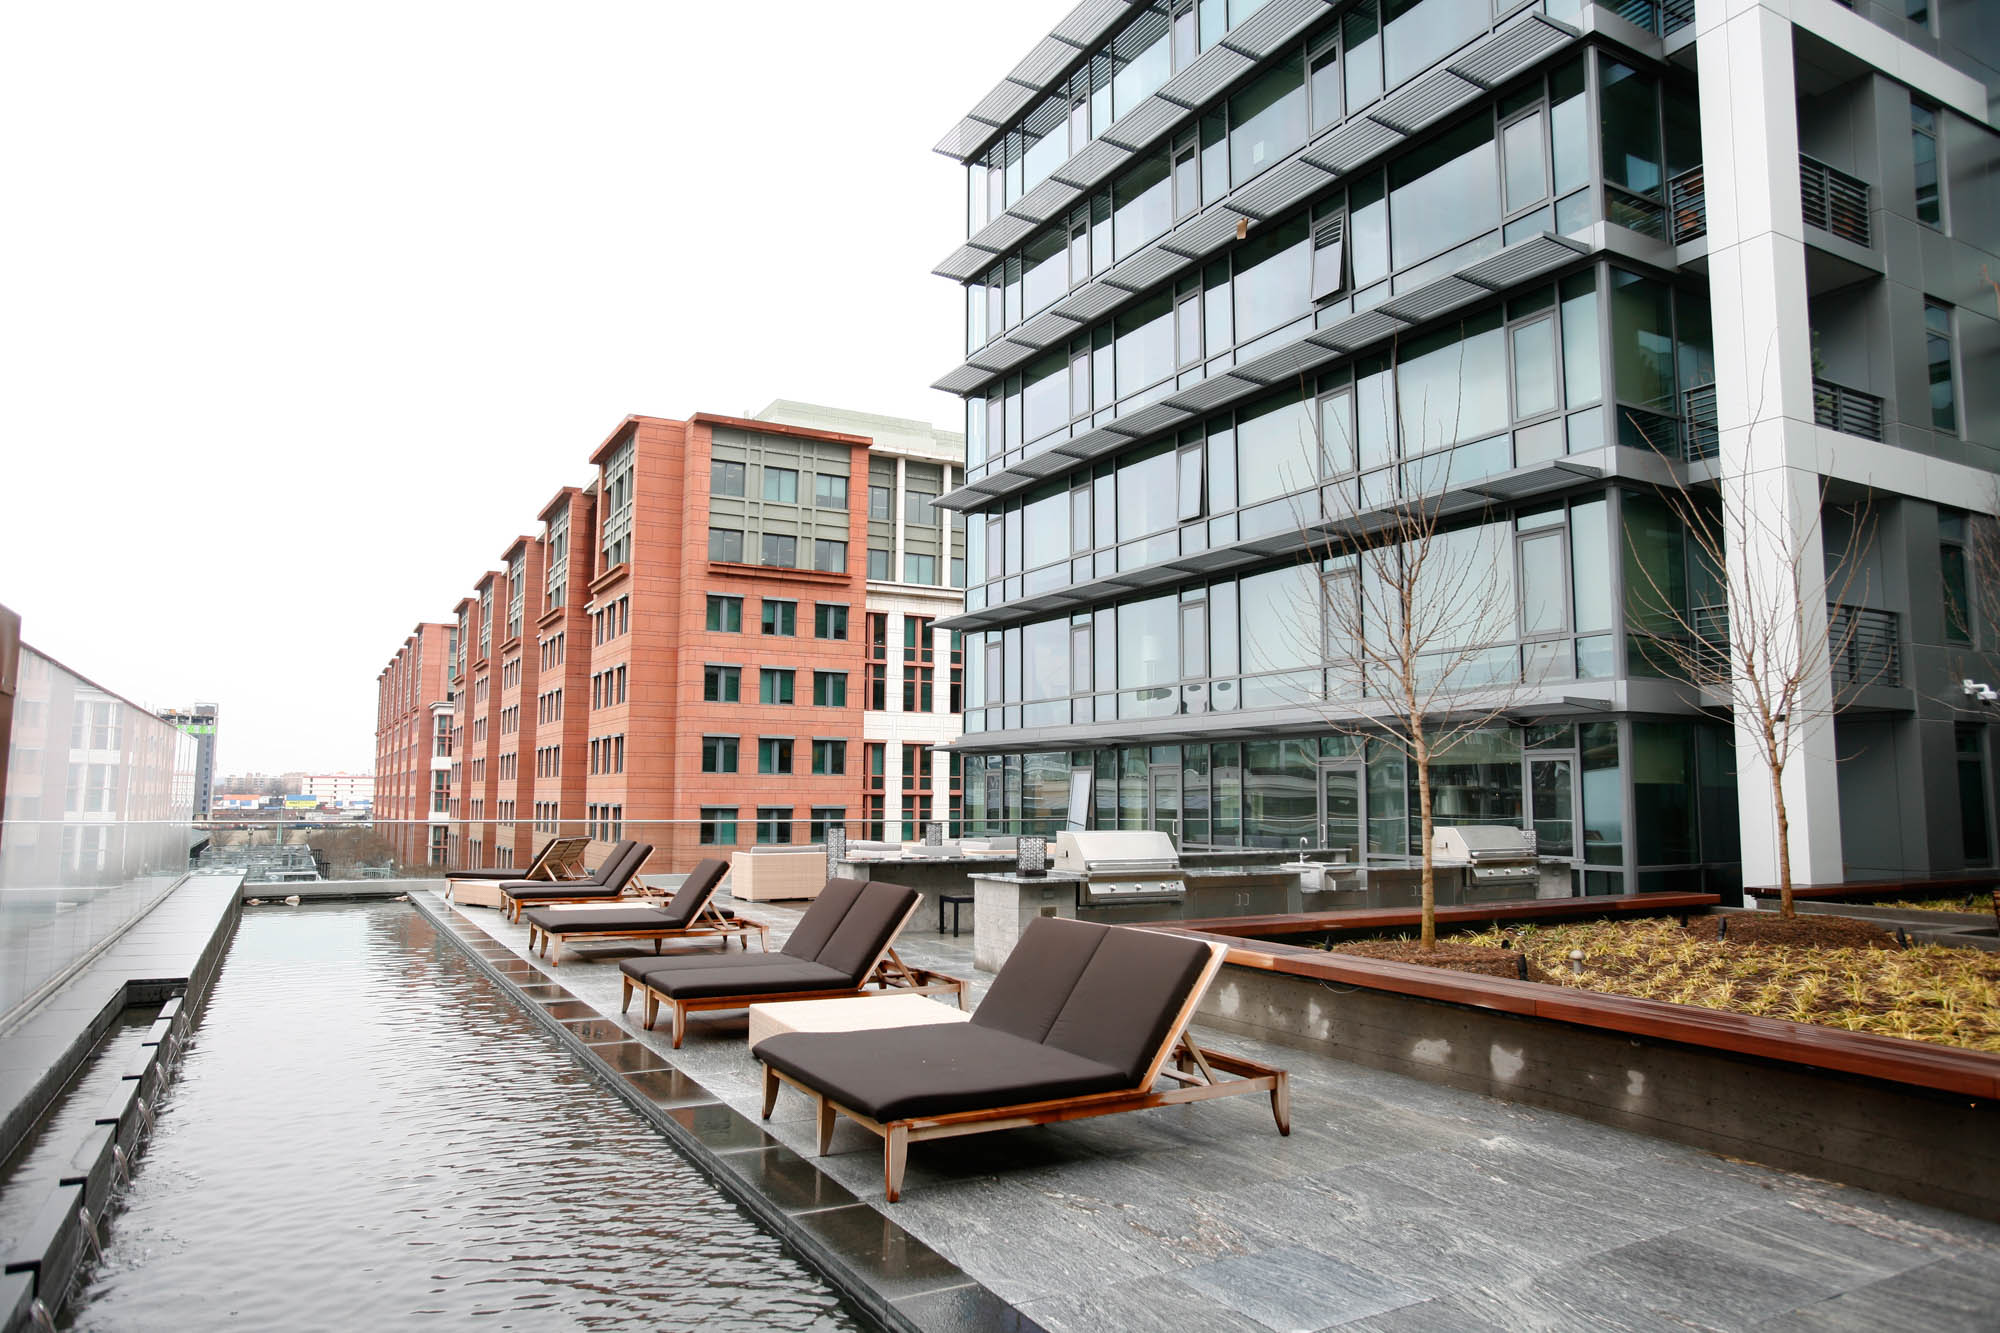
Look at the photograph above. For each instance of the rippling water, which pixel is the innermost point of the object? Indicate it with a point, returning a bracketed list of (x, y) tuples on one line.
[(366, 1134)]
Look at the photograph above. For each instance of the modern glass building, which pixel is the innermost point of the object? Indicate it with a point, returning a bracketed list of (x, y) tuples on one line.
[(1240, 274)]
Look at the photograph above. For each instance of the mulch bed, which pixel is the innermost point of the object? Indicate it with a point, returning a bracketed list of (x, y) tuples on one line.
[(1451, 956), (1808, 930)]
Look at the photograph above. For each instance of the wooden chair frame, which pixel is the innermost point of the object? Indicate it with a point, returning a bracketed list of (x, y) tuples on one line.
[(560, 859), (1194, 1072), (887, 973), (636, 890), (708, 922)]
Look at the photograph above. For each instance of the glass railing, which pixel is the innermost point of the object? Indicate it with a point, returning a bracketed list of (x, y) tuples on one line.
[(68, 886)]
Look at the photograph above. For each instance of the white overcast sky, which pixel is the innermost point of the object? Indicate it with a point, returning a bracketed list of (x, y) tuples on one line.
[(307, 309)]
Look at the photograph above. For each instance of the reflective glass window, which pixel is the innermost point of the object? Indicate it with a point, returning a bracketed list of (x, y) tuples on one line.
[(1363, 41), (1046, 521), (1146, 494), (1368, 228), (725, 478), (1267, 119), (829, 491), (1642, 345), (1583, 369), (1046, 270), (1569, 130), (1923, 144), (1276, 450), (1524, 144), (781, 484), (1417, 32), (1142, 205), (1145, 349), (1148, 644), (1045, 659), (1045, 395), (1630, 128), (1534, 368), (1143, 60), (1444, 193), (1452, 385), (1271, 285), (1944, 390)]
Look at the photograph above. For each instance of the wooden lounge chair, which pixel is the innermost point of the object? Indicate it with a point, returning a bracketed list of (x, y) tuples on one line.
[(691, 913), (840, 946), (612, 879), (1081, 1021), (559, 859)]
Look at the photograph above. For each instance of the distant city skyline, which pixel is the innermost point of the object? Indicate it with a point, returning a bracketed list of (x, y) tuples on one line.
[(283, 402)]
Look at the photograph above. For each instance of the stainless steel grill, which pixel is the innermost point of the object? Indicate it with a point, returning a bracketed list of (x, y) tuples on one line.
[(1128, 866), (1494, 856)]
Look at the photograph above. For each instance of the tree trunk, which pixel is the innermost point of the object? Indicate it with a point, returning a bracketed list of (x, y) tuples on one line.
[(1784, 847), (1427, 938)]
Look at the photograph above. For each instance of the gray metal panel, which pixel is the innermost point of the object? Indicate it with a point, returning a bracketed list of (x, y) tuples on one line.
[(963, 380), (1044, 201), (1511, 50), (1270, 26), (1145, 269), (963, 262), (1432, 299), (1040, 66), (1091, 443), (1098, 159), (1090, 21), (1350, 145), (1281, 187), (965, 138), (1287, 363), (1205, 233), (1206, 77), (1003, 355), (1360, 330), (1425, 102), (1212, 392), (1144, 123), (1088, 303), (1157, 417), (1004, 232), (1044, 329), (1006, 101), (1521, 261), (1044, 464)]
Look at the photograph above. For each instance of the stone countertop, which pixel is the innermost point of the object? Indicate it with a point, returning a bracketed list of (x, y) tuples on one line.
[(1012, 877)]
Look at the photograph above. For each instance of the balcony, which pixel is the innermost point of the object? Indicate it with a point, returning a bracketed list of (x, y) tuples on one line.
[(1700, 438), (1865, 647), (1850, 411), (1687, 207), (1834, 201)]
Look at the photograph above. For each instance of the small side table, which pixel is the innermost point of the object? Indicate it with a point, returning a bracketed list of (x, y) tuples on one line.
[(849, 1015), (957, 900)]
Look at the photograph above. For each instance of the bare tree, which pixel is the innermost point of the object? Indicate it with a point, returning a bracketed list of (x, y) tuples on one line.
[(1412, 614), (1769, 655)]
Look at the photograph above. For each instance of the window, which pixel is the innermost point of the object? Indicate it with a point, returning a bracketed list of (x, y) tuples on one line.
[(774, 823), (774, 754), (779, 551), (826, 817), (780, 617), (829, 757), (830, 689), (725, 613), (1944, 389), (919, 660), (725, 544), (718, 825), (1970, 742), (919, 568), (878, 563), (878, 661), (1267, 119), (874, 794), (1923, 143), (1444, 193), (774, 685), (829, 621), (782, 485), (830, 556), (879, 498), (829, 491), (1953, 569), (718, 754), (725, 478), (920, 508), (721, 684)]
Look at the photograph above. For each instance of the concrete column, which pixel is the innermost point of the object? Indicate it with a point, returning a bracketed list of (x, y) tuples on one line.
[(1764, 411), (902, 481)]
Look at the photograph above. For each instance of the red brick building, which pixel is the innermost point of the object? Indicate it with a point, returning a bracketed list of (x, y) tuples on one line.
[(680, 655), (413, 744)]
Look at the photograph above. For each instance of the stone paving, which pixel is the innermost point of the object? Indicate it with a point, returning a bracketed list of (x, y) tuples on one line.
[(1394, 1204)]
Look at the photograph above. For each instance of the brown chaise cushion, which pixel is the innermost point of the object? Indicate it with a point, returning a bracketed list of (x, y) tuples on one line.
[(816, 927), (695, 891), (743, 974), (1034, 983), (866, 929), (558, 921), (899, 1073), (607, 881), (1127, 999)]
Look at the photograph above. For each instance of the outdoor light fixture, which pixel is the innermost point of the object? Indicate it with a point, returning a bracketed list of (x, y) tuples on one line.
[(1031, 856)]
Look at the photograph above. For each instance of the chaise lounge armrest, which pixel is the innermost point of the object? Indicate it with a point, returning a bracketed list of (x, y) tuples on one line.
[(901, 1073)]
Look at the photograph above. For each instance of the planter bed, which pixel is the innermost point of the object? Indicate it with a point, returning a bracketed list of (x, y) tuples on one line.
[(1903, 1117)]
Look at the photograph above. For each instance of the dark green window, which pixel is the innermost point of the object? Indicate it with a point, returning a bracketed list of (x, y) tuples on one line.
[(774, 686), (1944, 389), (718, 825), (721, 684), (725, 613), (781, 617), (718, 754), (829, 622), (774, 754), (830, 689), (829, 757), (774, 823)]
